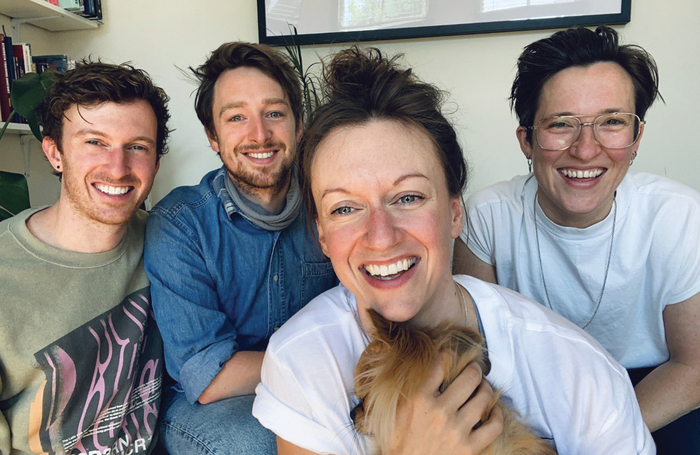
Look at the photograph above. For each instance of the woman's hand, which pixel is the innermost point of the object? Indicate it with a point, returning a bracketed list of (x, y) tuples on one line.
[(434, 423)]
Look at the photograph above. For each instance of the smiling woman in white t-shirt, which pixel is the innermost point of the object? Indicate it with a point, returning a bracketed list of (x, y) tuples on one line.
[(616, 253), (382, 174)]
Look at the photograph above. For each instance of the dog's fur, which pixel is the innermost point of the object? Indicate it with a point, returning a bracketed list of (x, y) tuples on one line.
[(396, 364)]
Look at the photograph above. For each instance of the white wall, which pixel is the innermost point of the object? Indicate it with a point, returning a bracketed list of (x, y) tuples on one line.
[(162, 35)]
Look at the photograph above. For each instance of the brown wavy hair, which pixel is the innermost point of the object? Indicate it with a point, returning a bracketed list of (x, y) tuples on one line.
[(94, 83), (234, 55), (360, 85)]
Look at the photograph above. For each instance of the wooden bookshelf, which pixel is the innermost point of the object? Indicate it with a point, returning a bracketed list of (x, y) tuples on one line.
[(44, 15)]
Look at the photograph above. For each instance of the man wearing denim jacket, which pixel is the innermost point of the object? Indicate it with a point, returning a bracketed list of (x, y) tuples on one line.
[(231, 259)]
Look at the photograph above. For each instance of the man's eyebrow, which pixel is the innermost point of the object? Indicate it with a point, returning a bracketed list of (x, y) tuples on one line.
[(240, 104), (143, 139), (610, 110), (93, 132), (396, 182), (89, 131)]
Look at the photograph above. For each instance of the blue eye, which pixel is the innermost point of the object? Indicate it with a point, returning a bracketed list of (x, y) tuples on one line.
[(343, 211), (275, 114), (409, 199), (236, 118)]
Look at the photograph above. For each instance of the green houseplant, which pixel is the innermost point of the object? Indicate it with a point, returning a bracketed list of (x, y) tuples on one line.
[(309, 81), (26, 95)]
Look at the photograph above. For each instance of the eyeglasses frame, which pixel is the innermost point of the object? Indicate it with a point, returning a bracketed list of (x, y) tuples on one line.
[(582, 124)]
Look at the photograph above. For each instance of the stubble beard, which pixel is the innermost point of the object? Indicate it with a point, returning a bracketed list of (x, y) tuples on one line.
[(264, 181), (85, 207)]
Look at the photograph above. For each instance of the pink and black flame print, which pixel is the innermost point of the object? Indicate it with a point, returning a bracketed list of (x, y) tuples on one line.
[(103, 384)]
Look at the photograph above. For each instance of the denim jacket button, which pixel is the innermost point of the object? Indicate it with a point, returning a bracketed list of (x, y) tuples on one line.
[(276, 277), (276, 328)]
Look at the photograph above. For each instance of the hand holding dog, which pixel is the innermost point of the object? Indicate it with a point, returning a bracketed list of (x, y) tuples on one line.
[(434, 423)]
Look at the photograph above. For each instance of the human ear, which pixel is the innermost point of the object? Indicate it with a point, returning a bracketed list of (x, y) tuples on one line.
[(525, 145), (639, 136), (53, 154), (300, 129), (213, 140), (457, 216), (321, 238)]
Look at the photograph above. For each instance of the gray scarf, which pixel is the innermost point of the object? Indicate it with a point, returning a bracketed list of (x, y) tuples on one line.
[(258, 216)]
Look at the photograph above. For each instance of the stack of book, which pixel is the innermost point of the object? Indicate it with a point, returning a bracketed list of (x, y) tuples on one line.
[(15, 60), (90, 9)]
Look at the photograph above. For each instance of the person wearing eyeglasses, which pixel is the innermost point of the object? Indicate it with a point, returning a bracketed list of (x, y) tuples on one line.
[(617, 253)]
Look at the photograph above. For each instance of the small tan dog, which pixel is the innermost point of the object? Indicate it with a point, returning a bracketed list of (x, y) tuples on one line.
[(396, 364)]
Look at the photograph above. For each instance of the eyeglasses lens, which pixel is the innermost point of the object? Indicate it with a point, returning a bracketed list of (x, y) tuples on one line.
[(615, 131)]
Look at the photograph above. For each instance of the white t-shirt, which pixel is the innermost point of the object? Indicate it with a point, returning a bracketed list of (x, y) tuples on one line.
[(569, 390), (655, 259)]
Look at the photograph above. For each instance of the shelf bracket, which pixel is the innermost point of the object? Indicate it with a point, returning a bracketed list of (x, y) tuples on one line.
[(25, 144), (16, 23)]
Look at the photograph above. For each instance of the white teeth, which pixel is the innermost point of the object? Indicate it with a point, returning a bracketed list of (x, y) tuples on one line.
[(391, 269), (261, 156), (593, 173), (113, 190)]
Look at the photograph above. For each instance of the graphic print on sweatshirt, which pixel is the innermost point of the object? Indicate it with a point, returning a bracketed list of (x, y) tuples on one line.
[(103, 385)]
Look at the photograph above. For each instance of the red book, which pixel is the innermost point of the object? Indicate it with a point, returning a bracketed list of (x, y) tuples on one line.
[(23, 58), (53, 2)]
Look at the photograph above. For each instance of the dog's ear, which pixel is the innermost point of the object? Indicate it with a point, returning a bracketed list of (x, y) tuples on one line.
[(382, 329)]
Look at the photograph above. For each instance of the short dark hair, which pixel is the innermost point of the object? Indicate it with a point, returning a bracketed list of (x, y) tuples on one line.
[(579, 46), (234, 55), (93, 83), (361, 85)]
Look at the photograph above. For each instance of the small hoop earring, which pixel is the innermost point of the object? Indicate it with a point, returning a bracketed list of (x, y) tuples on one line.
[(529, 165)]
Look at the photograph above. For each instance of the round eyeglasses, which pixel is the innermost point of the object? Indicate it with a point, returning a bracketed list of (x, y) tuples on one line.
[(616, 130)]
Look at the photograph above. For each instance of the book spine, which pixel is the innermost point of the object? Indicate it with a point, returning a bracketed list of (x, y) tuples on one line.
[(23, 57), (11, 69), (4, 83), (98, 10), (28, 66), (88, 8), (70, 5)]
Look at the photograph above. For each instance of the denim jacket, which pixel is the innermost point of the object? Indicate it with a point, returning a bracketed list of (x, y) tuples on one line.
[(219, 283)]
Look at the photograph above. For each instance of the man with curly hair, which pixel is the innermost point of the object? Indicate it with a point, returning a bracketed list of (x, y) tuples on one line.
[(80, 355)]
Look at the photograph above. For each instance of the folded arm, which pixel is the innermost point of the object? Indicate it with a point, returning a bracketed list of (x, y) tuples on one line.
[(673, 388), (239, 376), (464, 262), (201, 350)]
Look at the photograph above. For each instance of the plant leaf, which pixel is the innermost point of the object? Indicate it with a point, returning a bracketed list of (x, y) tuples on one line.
[(27, 94), (14, 194)]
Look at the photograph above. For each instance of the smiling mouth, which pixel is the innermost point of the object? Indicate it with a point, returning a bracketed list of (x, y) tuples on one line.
[(260, 155), (587, 174), (391, 271), (113, 190)]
